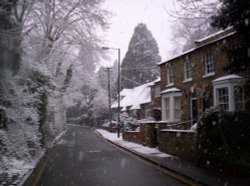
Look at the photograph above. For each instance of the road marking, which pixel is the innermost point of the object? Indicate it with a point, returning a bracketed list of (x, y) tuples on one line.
[(150, 164), (40, 172), (94, 151)]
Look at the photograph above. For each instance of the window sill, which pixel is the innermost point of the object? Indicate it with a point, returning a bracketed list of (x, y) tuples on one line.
[(170, 85), (208, 75), (157, 96), (187, 80), (172, 121)]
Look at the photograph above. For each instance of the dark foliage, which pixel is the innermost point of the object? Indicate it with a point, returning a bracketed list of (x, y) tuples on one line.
[(10, 42), (236, 14), (43, 114), (223, 140), (238, 58), (3, 119), (68, 77)]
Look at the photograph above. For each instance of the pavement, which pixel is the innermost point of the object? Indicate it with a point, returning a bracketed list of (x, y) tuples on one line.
[(182, 167)]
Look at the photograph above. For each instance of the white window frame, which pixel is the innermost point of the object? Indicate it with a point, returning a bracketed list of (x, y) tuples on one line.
[(177, 108), (170, 75), (242, 99), (230, 84), (187, 71), (171, 97), (222, 99), (208, 61), (167, 108)]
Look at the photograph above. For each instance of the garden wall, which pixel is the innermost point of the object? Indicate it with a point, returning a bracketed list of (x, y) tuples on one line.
[(180, 143), (148, 134), (132, 136)]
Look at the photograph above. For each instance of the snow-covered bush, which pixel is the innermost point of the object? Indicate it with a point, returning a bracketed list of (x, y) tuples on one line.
[(20, 139), (129, 123)]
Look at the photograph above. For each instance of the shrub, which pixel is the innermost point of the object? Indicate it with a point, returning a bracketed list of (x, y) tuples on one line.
[(129, 123), (223, 140)]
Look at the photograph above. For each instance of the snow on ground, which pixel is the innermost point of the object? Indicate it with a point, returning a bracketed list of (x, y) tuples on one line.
[(133, 146), (15, 166)]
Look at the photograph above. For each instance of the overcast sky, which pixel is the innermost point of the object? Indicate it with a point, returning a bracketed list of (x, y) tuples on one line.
[(128, 13)]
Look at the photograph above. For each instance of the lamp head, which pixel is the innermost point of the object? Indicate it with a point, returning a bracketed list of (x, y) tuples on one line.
[(105, 48)]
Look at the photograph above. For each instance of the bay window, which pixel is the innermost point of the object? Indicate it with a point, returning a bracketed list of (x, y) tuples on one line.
[(171, 105), (229, 92)]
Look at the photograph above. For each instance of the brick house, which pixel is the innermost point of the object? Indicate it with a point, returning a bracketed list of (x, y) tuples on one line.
[(156, 99), (196, 80)]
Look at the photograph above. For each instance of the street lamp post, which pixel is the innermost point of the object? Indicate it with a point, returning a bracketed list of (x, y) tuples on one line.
[(118, 86), (110, 120)]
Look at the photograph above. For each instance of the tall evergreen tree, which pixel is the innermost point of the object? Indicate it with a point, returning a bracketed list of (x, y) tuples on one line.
[(140, 63), (236, 14)]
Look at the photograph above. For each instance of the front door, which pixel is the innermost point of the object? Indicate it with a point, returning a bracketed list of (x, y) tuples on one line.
[(194, 110)]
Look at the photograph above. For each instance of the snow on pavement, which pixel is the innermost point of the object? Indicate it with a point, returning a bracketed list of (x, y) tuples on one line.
[(133, 146)]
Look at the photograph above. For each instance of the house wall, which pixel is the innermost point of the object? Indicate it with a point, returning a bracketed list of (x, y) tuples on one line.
[(201, 85), (155, 103)]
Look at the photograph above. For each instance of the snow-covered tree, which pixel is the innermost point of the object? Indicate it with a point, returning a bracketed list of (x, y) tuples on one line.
[(38, 42), (139, 65), (103, 79), (129, 123), (191, 21)]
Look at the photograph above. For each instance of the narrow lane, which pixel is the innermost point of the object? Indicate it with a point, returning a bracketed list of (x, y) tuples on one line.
[(83, 159)]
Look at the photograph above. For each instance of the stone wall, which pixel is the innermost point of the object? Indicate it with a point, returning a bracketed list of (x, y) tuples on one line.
[(179, 143), (148, 134), (132, 136)]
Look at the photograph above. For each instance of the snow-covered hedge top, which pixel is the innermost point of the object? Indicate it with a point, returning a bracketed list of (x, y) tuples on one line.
[(175, 130)]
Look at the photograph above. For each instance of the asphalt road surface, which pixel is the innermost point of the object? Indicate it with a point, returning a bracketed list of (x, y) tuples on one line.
[(82, 158)]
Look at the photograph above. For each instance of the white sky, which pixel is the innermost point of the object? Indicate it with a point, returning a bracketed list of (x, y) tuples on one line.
[(128, 13)]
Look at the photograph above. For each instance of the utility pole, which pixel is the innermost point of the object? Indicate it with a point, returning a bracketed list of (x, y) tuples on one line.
[(119, 91), (109, 95), (118, 87)]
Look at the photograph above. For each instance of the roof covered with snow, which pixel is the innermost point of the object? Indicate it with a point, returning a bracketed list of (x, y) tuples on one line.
[(134, 97), (155, 82)]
